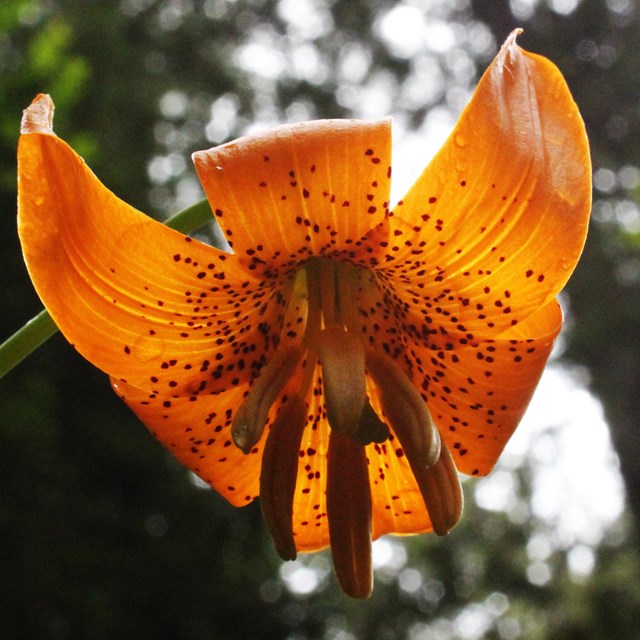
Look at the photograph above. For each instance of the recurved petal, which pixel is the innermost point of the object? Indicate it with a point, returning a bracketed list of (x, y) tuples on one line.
[(495, 225), (299, 190), (478, 394), (142, 302), (198, 433)]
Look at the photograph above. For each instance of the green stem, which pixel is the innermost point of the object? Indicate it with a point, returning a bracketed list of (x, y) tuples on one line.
[(26, 340), (191, 218), (40, 328)]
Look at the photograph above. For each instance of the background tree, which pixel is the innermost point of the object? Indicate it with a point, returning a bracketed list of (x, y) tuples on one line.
[(102, 534)]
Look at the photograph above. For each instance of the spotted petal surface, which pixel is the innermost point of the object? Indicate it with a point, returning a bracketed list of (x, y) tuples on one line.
[(142, 302), (300, 190), (493, 228)]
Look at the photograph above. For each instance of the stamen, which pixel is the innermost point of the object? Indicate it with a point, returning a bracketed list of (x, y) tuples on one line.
[(429, 457), (251, 417), (349, 514), (341, 355), (441, 491), (405, 409), (279, 473)]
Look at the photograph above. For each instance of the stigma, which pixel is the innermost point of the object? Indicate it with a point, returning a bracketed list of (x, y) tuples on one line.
[(327, 297)]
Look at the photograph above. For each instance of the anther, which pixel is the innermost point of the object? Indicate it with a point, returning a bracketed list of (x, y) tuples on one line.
[(251, 417), (279, 474), (405, 409), (429, 458), (441, 492), (349, 514)]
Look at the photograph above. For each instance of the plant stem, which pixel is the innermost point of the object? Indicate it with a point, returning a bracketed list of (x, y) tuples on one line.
[(40, 328), (191, 218), (26, 340)]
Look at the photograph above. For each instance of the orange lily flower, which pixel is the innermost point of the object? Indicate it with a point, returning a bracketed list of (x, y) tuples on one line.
[(347, 359)]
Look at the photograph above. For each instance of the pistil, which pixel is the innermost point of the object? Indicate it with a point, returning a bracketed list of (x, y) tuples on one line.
[(341, 356)]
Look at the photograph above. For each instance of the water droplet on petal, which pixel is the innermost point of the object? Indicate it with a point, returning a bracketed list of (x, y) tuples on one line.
[(39, 200), (460, 140), (461, 166)]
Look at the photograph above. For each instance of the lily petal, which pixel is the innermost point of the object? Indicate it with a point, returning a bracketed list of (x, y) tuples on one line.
[(140, 301), (397, 503), (501, 213), (478, 394), (198, 434), (299, 190)]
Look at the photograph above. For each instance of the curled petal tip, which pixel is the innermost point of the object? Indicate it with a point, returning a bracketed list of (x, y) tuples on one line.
[(38, 116), (509, 48), (511, 38)]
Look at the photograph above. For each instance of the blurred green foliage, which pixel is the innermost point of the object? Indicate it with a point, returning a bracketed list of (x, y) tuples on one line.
[(102, 534)]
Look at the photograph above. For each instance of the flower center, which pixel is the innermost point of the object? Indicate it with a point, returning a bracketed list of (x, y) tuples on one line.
[(327, 297)]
